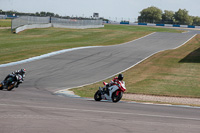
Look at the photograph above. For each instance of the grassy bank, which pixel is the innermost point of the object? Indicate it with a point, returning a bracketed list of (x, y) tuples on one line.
[(30, 43), (169, 73), (5, 22)]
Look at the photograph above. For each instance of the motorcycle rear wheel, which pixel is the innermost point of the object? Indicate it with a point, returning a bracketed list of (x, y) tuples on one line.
[(97, 96), (115, 97), (11, 87)]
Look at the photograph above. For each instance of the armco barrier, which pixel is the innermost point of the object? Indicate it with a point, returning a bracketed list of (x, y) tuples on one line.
[(160, 24), (32, 26), (175, 25), (142, 23), (124, 22), (184, 26), (168, 25), (164, 25), (191, 26), (148, 24), (133, 23)]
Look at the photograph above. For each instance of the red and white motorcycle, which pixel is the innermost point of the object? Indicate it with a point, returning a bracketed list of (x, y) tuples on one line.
[(115, 92)]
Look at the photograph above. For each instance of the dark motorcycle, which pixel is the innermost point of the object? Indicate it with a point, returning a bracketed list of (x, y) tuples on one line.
[(10, 83)]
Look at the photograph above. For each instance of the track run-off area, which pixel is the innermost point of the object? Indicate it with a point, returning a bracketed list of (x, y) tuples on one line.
[(34, 107)]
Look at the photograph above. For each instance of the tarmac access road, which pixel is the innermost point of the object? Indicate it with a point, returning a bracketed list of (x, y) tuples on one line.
[(33, 107)]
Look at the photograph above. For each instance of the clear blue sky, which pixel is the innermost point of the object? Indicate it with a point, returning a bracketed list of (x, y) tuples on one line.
[(113, 9)]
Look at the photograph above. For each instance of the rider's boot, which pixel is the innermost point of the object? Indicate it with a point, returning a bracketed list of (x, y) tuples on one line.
[(107, 91), (17, 85)]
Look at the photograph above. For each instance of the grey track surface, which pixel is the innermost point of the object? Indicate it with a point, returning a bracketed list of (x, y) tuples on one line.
[(34, 108)]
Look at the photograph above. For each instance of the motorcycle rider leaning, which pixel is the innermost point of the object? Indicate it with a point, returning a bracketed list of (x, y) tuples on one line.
[(20, 73), (114, 81)]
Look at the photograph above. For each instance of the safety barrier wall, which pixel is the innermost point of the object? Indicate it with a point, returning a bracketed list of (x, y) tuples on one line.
[(160, 24), (175, 25), (142, 23), (75, 23), (2, 16), (124, 22), (32, 26), (30, 22), (164, 25), (191, 26)]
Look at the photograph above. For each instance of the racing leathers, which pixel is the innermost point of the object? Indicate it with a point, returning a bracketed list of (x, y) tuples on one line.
[(17, 75), (112, 82)]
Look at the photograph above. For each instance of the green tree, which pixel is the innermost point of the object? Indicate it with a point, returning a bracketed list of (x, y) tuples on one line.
[(168, 16), (196, 21), (42, 13), (57, 15), (37, 14), (150, 15), (49, 14), (182, 17)]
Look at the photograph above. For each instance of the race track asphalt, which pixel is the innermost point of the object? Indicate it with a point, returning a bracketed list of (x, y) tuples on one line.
[(33, 107)]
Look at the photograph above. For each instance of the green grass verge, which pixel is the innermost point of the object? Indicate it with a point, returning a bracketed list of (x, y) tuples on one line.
[(169, 73), (34, 42), (5, 22)]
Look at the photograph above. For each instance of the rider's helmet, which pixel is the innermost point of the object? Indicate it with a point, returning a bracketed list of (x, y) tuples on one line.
[(22, 71), (120, 77)]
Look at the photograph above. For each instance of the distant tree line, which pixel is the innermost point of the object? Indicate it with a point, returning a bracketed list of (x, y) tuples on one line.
[(155, 15), (41, 14)]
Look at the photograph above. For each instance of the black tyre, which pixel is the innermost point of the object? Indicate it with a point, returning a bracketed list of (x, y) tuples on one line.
[(11, 87), (10, 83), (1, 86), (97, 96), (115, 97)]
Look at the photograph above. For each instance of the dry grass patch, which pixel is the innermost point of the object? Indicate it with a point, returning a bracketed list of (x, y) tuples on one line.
[(164, 74)]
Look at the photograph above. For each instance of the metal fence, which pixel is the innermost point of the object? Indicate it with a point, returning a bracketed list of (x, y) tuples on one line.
[(2, 16), (75, 22), (27, 20), (56, 22)]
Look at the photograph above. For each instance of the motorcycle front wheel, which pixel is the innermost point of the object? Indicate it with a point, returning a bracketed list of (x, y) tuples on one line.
[(1, 86), (97, 96), (115, 97)]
